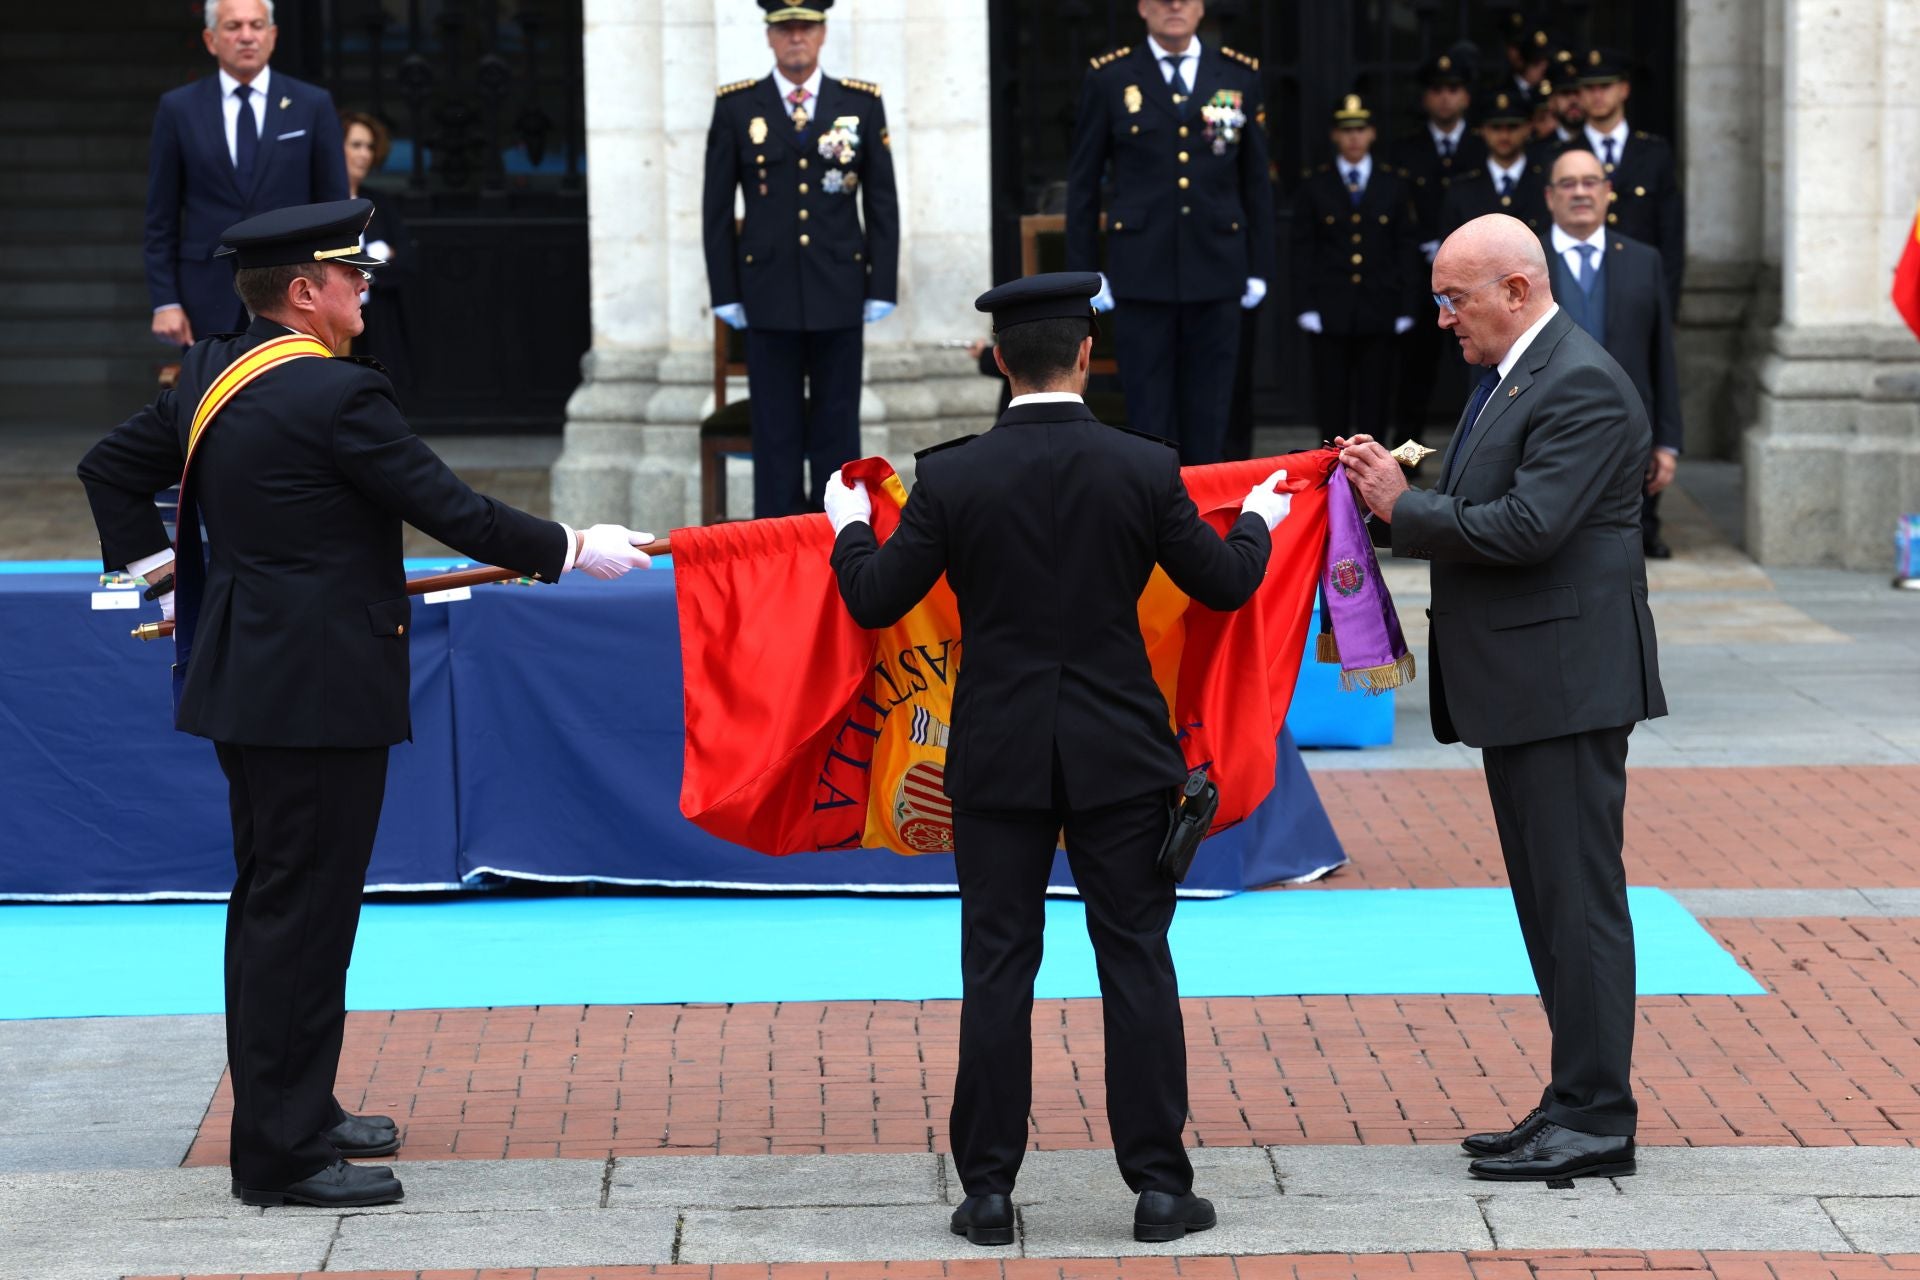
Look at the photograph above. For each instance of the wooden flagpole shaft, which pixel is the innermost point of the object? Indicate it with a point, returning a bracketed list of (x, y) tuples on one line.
[(420, 586)]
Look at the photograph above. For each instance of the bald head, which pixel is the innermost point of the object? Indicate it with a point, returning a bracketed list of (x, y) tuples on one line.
[(1495, 273)]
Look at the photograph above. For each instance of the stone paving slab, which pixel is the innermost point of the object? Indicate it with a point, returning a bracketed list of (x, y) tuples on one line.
[(820, 1235), (122, 1195), (545, 1238), (1877, 1225), (1663, 1222), (477, 1187), (98, 1248), (1048, 1177), (1287, 1224), (761, 1182)]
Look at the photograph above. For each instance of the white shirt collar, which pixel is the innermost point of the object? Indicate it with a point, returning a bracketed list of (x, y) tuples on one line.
[(1496, 171), (1340, 167), (811, 84), (1046, 397), (228, 84), (1159, 51), (1525, 340), (1441, 135), (1618, 133), (1564, 243)]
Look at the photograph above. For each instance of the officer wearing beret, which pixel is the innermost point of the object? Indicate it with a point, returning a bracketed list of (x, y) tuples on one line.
[(291, 651), (800, 272), (1048, 527), (1190, 230), (1647, 202), (1509, 182), (1356, 274)]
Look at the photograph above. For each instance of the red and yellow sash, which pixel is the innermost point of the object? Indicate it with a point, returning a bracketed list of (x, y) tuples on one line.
[(268, 355)]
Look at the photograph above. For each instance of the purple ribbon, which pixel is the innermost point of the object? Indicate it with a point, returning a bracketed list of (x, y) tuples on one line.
[(1358, 626)]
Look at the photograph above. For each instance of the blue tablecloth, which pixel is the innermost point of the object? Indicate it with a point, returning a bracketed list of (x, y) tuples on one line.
[(547, 745)]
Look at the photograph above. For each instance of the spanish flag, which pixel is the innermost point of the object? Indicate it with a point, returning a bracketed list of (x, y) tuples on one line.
[(1906, 280), (806, 732)]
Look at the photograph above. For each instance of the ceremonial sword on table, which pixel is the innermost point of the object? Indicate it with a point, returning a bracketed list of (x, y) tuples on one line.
[(419, 586)]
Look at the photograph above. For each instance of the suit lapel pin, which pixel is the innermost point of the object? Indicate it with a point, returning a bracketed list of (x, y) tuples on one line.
[(1512, 392), (285, 103)]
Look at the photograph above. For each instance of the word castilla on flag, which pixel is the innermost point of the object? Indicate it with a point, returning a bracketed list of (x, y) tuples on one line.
[(807, 732)]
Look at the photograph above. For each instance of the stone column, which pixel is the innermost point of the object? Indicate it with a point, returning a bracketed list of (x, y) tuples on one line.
[(632, 436), (1834, 453)]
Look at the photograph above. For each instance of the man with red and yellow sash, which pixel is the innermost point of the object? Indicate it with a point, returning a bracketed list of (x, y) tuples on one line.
[(291, 651)]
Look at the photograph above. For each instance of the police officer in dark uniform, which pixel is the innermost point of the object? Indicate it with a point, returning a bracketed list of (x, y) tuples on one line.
[(1047, 528), (1647, 202), (1509, 182), (291, 652), (1190, 231), (1356, 275), (800, 273), (1430, 158)]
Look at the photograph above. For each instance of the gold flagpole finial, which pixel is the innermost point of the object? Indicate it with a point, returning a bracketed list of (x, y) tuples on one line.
[(1411, 453)]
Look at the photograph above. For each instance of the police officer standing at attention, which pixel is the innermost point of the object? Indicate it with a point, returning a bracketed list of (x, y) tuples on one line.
[(1048, 527), (1355, 272), (1509, 182), (1647, 203), (801, 274), (1190, 232), (291, 651)]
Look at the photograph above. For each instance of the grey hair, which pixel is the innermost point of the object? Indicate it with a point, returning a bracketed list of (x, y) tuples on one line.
[(213, 13)]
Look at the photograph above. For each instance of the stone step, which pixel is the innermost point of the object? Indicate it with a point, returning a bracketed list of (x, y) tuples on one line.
[(51, 367), (20, 153), (96, 406), (178, 43), (99, 332), (118, 298), (71, 261), (28, 224), (57, 117), (162, 18), (118, 187), (63, 79)]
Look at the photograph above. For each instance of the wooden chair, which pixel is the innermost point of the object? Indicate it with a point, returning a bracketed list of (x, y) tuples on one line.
[(727, 432)]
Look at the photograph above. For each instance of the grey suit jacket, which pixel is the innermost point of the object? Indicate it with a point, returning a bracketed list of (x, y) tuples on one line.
[(1540, 626), (1639, 326)]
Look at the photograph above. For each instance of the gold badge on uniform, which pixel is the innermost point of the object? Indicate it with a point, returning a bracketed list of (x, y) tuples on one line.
[(285, 103), (1131, 96), (757, 130)]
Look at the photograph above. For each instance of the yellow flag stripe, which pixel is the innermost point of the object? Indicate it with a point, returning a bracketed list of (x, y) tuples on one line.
[(244, 370)]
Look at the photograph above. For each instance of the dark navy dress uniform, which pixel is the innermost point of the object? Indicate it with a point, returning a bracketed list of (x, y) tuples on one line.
[(1481, 192), (803, 263), (1047, 528), (299, 660), (1647, 202), (1357, 263), (1189, 221)]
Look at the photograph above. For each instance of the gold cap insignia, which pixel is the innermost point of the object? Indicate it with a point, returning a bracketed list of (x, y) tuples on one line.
[(1593, 58), (1446, 63), (1352, 103), (1540, 39), (1501, 102)]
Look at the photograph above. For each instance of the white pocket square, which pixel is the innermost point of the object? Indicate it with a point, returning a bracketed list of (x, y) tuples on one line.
[(297, 133)]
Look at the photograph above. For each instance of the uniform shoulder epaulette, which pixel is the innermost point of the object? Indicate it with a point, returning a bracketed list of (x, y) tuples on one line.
[(954, 443), (1100, 60), (1159, 440), (1403, 171), (1641, 133), (364, 361), (735, 87), (1244, 59), (1475, 173), (1324, 168), (864, 86)]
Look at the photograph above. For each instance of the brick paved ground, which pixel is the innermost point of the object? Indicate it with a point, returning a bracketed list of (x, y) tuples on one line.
[(1830, 1057), (1396, 1266)]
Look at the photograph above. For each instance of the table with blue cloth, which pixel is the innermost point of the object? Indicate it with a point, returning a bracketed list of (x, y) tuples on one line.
[(547, 737)]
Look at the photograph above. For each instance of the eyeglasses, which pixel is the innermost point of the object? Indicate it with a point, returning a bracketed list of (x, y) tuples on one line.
[(1587, 182), (366, 276), (1450, 302)]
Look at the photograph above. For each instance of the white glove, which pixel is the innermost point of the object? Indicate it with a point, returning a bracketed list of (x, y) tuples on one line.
[(166, 606), (1266, 501), (1309, 320), (1429, 248), (734, 313), (1103, 300), (380, 249), (1256, 290), (875, 309), (1402, 323), (609, 550), (847, 503)]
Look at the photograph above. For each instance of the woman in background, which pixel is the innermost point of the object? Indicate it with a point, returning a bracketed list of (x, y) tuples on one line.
[(385, 338)]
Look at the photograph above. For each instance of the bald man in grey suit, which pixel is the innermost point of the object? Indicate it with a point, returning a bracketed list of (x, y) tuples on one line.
[(1541, 653)]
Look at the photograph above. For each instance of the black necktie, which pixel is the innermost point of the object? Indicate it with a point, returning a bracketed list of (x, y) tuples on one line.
[(1481, 391), (1446, 148), (246, 137), (1506, 185), (1610, 153), (1354, 189)]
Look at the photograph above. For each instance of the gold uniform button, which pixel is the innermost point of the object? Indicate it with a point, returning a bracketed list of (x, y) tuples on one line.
[(1184, 184), (1329, 219), (1136, 128), (803, 162), (1234, 227), (1612, 196), (803, 215), (400, 630), (856, 257), (1186, 209), (1183, 157), (1505, 201), (1183, 130), (803, 188), (1356, 237), (1356, 277), (759, 159), (1383, 219), (1613, 217), (1119, 226), (1357, 259), (1609, 168), (749, 257), (803, 239), (1640, 191), (1356, 217)]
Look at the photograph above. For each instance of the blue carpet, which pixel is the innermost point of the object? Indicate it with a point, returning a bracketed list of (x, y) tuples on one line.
[(72, 961)]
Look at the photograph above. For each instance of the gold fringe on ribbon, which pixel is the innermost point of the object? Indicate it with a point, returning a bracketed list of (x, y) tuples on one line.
[(1326, 648), (1372, 680)]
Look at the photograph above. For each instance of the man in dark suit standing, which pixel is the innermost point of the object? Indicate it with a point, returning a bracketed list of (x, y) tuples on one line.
[(1048, 527), (224, 148), (1541, 654), (801, 274), (1190, 227), (302, 477), (1355, 275), (1508, 182), (1613, 288), (1646, 201)]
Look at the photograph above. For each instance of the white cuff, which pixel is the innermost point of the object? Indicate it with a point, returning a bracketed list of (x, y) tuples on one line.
[(171, 306), (573, 546), (138, 568)]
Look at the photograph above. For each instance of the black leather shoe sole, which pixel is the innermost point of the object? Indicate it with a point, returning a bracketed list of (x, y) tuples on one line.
[(1162, 1232), (984, 1235), (1612, 1169), (388, 1193)]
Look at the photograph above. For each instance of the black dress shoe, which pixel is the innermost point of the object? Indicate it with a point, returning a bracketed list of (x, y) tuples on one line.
[(1499, 1144), (1657, 550), (338, 1186), (358, 1137), (378, 1122), (984, 1220), (1554, 1151), (1160, 1216)]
